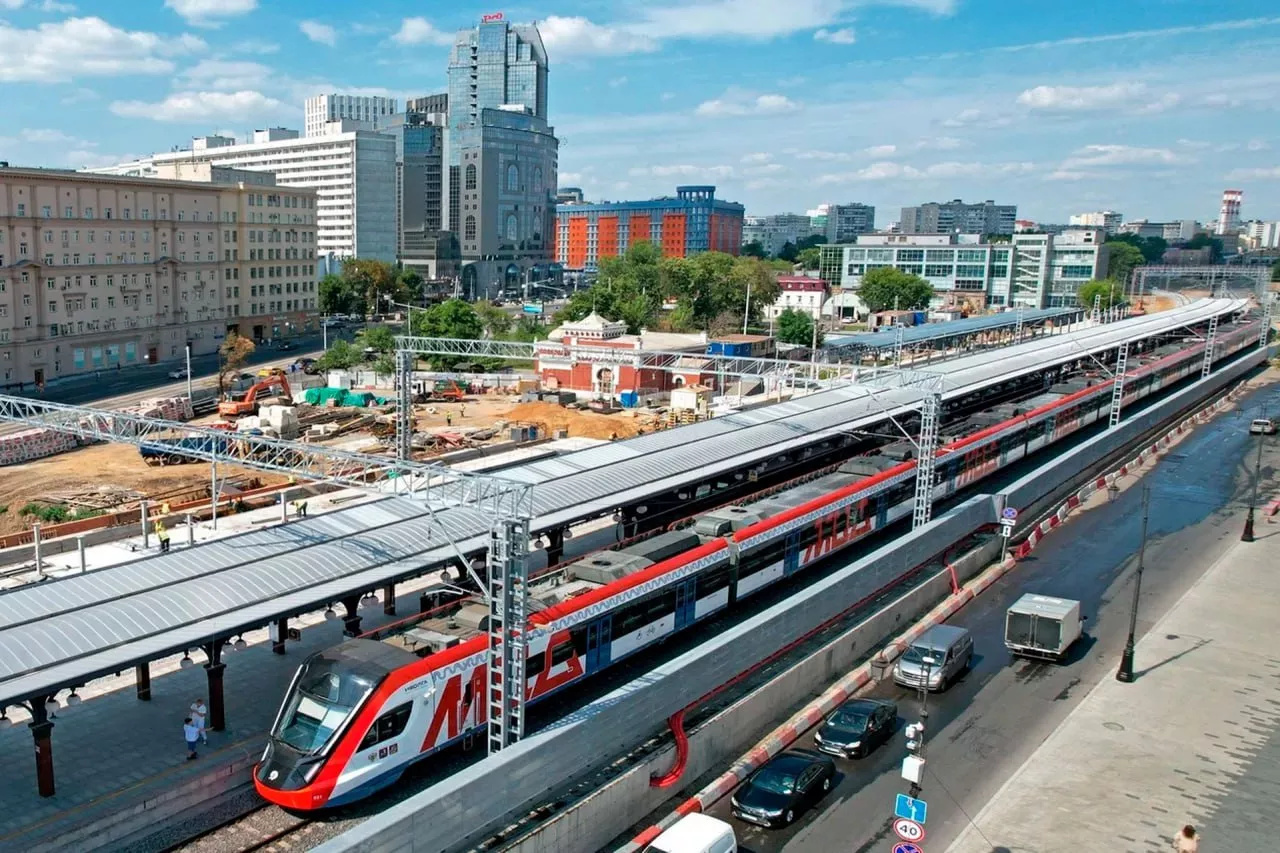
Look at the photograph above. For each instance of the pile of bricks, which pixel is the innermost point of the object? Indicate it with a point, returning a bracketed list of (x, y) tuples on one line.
[(39, 443)]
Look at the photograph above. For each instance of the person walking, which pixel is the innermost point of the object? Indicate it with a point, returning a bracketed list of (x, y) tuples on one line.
[(192, 733), (1187, 840), (162, 533), (198, 713), (448, 418)]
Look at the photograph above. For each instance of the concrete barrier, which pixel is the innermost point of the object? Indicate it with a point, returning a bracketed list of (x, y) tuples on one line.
[(476, 801)]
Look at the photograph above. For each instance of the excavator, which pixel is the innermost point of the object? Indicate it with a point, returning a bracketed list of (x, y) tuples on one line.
[(246, 403)]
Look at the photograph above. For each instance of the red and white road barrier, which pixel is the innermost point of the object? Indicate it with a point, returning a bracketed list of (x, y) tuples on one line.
[(1272, 508), (1169, 439)]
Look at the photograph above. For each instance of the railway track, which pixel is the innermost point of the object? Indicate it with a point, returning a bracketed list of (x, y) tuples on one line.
[(267, 828)]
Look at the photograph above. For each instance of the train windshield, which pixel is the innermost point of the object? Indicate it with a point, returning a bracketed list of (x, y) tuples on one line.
[(325, 696)]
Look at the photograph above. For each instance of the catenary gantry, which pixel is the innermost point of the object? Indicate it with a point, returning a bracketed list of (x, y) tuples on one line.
[(65, 632), (908, 337)]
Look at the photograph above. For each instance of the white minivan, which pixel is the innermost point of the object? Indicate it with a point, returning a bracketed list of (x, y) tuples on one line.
[(696, 833)]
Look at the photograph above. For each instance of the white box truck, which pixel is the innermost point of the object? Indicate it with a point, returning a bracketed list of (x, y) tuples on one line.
[(1041, 626)]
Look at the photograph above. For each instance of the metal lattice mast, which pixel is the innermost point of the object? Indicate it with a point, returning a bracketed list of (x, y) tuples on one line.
[(900, 333), (1017, 333), (1210, 344), (1117, 384), (1097, 308), (1267, 307), (508, 621), (404, 405), (926, 460)]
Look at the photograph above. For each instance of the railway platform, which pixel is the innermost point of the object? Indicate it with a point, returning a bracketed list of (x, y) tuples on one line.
[(1192, 740)]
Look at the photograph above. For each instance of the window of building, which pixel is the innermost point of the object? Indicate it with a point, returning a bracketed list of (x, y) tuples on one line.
[(469, 229), (513, 178), (512, 228), (470, 181), (53, 307), (46, 211)]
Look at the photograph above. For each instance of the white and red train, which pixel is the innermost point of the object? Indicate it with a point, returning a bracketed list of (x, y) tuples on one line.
[(358, 714)]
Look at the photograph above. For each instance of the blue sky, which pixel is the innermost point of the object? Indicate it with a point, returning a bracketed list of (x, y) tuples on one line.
[(1149, 107)]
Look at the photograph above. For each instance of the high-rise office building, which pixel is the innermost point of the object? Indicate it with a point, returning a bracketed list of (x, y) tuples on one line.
[(422, 242), (319, 110), (956, 217), (430, 106), (500, 157), (775, 230), (1107, 220), (846, 221)]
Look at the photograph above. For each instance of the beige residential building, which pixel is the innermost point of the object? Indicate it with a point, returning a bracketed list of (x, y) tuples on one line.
[(103, 272)]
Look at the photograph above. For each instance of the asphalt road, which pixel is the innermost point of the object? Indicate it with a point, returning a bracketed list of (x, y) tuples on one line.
[(986, 725)]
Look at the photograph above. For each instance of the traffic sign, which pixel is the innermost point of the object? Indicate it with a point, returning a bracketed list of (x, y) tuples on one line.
[(1009, 512), (1006, 532), (907, 847), (1007, 522), (908, 830), (910, 808)]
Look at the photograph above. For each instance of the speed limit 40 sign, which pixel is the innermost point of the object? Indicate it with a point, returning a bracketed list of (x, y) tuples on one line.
[(908, 830)]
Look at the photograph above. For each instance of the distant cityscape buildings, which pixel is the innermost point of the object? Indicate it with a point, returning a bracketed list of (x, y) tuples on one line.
[(956, 217), (319, 110), (1229, 214), (692, 221), (1108, 220)]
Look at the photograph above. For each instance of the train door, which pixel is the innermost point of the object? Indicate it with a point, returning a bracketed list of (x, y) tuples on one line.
[(882, 510), (686, 601), (598, 634), (791, 557)]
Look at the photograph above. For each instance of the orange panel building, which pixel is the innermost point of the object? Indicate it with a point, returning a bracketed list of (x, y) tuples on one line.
[(692, 221)]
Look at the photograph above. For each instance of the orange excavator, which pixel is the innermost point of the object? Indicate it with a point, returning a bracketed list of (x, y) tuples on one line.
[(246, 403)]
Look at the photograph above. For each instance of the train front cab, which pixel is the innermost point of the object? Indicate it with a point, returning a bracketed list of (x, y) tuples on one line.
[(328, 694)]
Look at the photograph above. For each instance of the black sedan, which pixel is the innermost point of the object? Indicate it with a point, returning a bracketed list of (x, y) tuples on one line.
[(857, 727), (783, 788)]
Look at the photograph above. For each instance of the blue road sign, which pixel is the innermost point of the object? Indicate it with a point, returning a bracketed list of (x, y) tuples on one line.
[(910, 808), (1009, 513), (907, 847)]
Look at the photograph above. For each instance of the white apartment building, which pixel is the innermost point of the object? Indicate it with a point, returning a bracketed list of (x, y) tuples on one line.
[(353, 173), (1034, 270), (798, 293), (1107, 220), (319, 110), (776, 230), (100, 272), (1262, 235)]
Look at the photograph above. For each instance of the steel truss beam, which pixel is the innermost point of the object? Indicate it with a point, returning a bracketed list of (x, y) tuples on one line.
[(1211, 342), (926, 460), (434, 484), (1117, 384), (508, 620)]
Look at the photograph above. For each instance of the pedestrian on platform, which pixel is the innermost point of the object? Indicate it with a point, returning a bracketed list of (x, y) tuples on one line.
[(192, 733), (198, 713), (302, 509), (448, 418), (462, 411), (162, 533), (1187, 840)]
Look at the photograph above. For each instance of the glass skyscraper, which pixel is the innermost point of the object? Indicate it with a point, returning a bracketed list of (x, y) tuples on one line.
[(497, 65)]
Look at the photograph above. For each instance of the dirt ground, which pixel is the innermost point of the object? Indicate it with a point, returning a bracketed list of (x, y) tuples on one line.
[(483, 411), (103, 468)]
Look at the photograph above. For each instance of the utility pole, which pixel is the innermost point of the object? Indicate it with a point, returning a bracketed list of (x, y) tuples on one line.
[(1247, 536), (190, 392), (913, 764), (1125, 673), (746, 312)]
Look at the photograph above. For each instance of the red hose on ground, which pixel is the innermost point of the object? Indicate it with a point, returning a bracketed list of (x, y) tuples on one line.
[(676, 721)]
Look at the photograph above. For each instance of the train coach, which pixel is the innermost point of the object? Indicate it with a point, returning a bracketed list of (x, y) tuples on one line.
[(358, 714)]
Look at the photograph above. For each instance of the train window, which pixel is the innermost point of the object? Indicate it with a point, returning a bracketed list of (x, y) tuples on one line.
[(1036, 430), (713, 581), (536, 662), (643, 612), (760, 559), (468, 693), (562, 652), (389, 725)]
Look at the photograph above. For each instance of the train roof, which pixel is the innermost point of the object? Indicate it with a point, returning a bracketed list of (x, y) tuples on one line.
[(368, 657)]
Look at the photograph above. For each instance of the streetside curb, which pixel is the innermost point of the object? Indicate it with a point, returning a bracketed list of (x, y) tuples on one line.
[(1169, 439), (813, 714)]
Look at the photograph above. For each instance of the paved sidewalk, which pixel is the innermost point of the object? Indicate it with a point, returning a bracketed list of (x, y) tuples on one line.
[(1192, 740)]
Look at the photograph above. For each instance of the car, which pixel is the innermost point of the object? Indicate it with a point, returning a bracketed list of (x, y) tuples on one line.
[(783, 788), (857, 727), (285, 346), (180, 373), (1262, 426)]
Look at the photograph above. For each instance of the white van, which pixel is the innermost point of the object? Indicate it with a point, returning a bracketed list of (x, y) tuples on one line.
[(696, 833)]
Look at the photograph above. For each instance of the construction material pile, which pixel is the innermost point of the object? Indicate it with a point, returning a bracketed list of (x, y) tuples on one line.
[(341, 397), (579, 424), (41, 442)]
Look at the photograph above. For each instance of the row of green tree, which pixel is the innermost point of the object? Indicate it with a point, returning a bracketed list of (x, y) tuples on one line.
[(804, 251), (367, 287)]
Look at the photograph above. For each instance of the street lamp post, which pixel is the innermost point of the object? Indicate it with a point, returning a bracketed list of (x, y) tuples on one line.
[(1125, 673), (1247, 536), (190, 393)]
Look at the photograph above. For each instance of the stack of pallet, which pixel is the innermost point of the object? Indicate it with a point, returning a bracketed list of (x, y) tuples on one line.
[(33, 444), (165, 408)]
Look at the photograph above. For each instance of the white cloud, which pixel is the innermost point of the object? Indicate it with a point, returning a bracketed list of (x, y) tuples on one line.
[(419, 30), (841, 36), (1272, 173), (973, 117), (254, 46), (224, 75), (205, 13), (47, 135), (764, 169), (1121, 155), (1257, 145), (11, 4), (1136, 35), (761, 19), (83, 159), (54, 6), (881, 150), (319, 33), (1087, 98), (756, 158), (939, 143), (86, 47), (824, 156), (683, 171), (202, 107), (736, 102), (578, 36), (888, 170), (617, 81), (569, 179)]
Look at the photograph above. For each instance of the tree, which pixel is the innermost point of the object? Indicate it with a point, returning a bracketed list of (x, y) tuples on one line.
[(495, 321), (335, 295), (809, 258), (232, 355), (1122, 257), (788, 252), (528, 330), (1110, 292), (340, 356), (796, 327), (753, 249), (1202, 240), (385, 365), (1275, 271), (887, 288), (372, 280), (1152, 248), (409, 286), (810, 242), (378, 338), (450, 319)]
